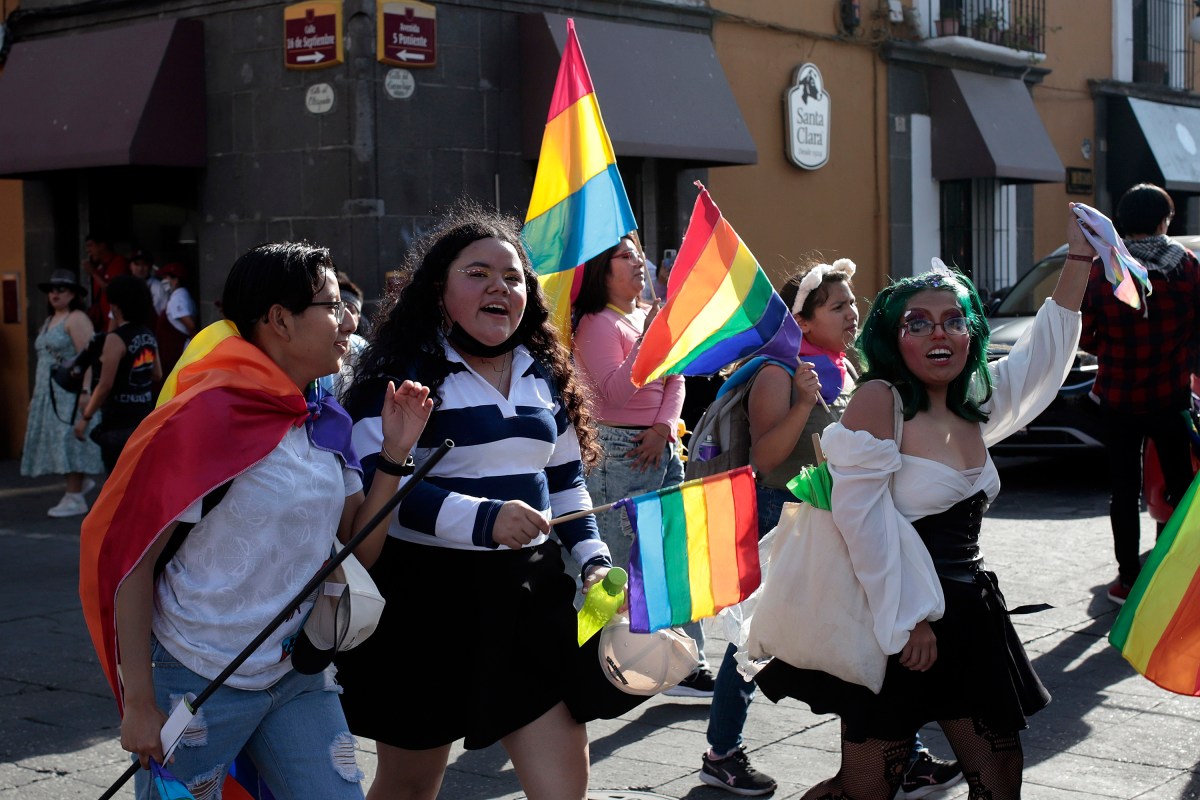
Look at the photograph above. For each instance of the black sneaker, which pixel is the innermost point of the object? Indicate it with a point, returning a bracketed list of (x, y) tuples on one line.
[(735, 774), (927, 775), (699, 684)]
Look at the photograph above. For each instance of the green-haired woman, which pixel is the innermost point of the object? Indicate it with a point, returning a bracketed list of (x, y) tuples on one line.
[(910, 508)]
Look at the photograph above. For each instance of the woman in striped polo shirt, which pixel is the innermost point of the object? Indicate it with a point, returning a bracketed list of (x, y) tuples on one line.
[(478, 601)]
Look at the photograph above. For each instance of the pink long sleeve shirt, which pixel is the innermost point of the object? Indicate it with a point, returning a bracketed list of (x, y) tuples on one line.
[(605, 348)]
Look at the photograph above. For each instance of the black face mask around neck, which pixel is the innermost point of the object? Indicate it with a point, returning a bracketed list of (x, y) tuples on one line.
[(473, 347)]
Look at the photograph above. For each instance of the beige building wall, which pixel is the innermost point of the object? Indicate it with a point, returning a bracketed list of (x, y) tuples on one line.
[(1078, 49), (781, 211), (14, 336)]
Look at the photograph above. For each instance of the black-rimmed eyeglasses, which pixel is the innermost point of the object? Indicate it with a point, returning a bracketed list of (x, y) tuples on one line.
[(337, 306), (955, 326)]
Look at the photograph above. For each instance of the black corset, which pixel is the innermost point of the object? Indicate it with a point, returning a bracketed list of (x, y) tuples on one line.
[(952, 538)]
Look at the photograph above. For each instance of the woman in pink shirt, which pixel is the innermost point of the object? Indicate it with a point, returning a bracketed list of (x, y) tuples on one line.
[(636, 426)]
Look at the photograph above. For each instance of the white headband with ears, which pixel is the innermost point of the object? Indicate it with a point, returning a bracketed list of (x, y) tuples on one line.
[(817, 274)]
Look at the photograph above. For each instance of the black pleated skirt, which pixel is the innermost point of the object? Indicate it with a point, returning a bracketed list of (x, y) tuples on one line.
[(472, 645), (982, 671)]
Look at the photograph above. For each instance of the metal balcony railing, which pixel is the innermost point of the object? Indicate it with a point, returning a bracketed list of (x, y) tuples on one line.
[(1016, 24), (1162, 52)]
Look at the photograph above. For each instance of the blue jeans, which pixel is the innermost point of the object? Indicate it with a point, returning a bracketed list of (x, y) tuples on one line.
[(294, 732), (615, 478), (733, 694)]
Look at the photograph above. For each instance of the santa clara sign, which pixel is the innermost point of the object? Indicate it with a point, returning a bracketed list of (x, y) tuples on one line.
[(807, 106)]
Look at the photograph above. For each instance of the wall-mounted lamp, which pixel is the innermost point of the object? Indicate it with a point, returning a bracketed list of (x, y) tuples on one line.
[(1194, 25), (187, 231), (849, 16)]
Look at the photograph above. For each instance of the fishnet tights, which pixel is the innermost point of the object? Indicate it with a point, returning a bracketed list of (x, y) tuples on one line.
[(991, 762)]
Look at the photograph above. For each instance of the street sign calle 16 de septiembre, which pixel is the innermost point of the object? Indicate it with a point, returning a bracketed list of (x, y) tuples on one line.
[(312, 35), (407, 34)]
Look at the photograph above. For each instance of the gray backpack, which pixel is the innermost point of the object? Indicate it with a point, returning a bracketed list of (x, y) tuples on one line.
[(727, 422)]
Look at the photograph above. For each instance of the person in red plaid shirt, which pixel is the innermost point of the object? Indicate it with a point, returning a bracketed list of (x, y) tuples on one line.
[(1146, 356)]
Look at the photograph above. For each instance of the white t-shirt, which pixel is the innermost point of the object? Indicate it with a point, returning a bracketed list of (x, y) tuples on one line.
[(180, 304), (158, 294), (247, 557)]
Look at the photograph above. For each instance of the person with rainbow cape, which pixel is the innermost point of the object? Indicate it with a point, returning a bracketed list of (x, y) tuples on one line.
[(234, 415)]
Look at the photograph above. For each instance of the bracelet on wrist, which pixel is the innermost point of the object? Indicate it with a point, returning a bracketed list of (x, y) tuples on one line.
[(1079, 257), (388, 466)]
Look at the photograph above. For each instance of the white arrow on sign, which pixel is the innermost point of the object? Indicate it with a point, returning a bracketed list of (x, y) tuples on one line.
[(404, 55), (316, 57)]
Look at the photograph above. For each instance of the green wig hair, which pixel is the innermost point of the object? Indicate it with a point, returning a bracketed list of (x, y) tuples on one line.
[(878, 345)]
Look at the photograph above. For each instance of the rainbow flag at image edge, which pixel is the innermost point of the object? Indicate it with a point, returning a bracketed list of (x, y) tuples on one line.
[(1158, 628), (721, 306), (578, 208), (695, 550)]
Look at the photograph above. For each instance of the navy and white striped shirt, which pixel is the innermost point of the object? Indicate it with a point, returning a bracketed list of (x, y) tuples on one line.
[(520, 447)]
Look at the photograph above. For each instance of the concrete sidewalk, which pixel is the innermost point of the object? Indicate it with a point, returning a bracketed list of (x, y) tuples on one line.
[(1108, 733)]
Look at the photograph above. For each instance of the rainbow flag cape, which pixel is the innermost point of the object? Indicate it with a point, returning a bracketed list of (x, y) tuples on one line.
[(695, 549), (1158, 629), (165, 786), (721, 306), (179, 453), (579, 208), (201, 345)]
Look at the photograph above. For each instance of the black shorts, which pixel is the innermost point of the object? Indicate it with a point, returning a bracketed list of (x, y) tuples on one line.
[(472, 645)]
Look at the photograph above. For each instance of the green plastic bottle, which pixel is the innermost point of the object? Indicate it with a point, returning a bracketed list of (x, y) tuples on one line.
[(601, 603)]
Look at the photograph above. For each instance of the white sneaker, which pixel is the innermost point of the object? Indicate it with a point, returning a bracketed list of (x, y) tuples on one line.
[(71, 505), (88, 485)]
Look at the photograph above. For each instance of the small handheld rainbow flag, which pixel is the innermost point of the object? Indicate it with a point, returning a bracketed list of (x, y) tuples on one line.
[(695, 550), (579, 207), (1121, 269), (720, 307), (1158, 629)]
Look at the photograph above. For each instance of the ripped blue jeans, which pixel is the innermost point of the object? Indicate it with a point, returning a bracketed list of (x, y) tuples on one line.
[(294, 732)]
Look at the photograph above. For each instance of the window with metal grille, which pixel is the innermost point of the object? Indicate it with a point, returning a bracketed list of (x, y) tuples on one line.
[(1162, 52), (979, 232)]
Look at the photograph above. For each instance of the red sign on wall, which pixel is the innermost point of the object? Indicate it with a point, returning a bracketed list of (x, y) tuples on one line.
[(312, 35), (407, 34)]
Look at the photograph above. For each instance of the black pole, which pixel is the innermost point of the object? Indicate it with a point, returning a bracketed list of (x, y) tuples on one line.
[(324, 572)]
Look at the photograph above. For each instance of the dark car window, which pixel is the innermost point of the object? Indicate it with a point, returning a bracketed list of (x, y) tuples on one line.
[(1029, 293)]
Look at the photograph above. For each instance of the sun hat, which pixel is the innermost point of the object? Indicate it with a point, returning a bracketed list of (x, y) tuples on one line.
[(346, 612), (645, 663), (63, 277)]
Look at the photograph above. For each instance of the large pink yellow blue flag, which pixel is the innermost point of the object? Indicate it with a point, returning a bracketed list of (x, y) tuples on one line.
[(720, 307), (1158, 629), (579, 207), (695, 550)]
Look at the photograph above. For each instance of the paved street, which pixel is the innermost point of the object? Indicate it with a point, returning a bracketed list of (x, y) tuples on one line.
[(1107, 734)]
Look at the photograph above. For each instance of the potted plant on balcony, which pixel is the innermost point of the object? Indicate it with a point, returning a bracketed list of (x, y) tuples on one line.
[(988, 26), (949, 23), (1025, 34)]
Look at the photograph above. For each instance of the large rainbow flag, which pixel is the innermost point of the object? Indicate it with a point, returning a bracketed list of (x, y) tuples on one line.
[(579, 208), (695, 550), (1158, 629), (721, 306)]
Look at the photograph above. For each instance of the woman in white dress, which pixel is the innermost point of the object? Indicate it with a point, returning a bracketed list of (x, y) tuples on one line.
[(910, 508)]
